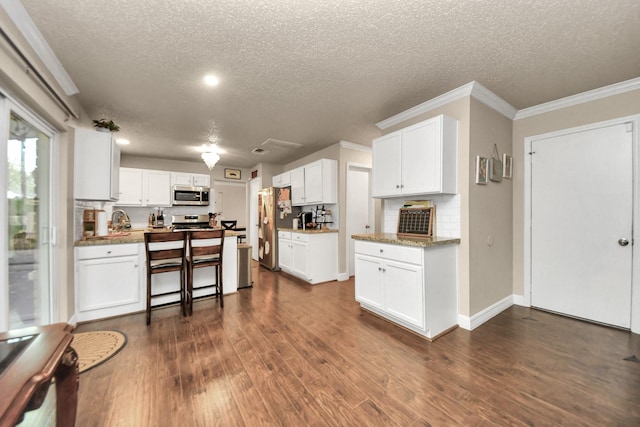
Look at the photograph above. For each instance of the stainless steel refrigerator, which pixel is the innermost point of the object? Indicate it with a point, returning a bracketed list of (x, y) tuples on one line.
[(274, 211)]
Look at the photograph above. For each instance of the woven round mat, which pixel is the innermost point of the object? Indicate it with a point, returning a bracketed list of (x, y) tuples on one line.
[(96, 347)]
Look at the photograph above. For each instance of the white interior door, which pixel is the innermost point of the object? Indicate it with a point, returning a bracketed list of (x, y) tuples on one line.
[(581, 217), (359, 208)]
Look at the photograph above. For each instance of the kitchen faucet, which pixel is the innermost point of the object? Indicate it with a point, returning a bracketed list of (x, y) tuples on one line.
[(115, 225)]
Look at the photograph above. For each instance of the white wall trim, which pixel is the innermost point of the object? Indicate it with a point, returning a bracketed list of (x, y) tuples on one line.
[(519, 300), (492, 100), (342, 277), (470, 323), (73, 321), (436, 102), (352, 146), (473, 89), (36, 40), (581, 98)]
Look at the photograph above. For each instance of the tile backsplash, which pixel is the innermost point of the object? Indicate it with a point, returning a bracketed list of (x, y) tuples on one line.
[(447, 213)]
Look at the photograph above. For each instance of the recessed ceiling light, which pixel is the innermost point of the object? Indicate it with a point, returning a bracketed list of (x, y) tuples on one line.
[(121, 141), (211, 80)]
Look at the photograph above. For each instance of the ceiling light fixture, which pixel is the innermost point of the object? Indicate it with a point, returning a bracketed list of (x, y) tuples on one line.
[(211, 155), (211, 80)]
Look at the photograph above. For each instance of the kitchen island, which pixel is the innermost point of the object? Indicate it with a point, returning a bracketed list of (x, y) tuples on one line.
[(111, 279), (409, 281)]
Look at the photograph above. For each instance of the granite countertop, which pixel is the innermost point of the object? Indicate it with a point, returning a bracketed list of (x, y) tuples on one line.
[(422, 242), (308, 231), (132, 236)]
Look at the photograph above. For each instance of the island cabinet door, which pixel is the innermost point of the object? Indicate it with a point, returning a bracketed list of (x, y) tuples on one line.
[(404, 292), (368, 278)]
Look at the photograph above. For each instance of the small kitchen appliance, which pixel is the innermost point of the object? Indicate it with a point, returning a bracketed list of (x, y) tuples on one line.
[(190, 196)]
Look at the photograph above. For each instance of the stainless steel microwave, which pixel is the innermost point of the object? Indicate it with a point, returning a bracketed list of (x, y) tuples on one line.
[(189, 196)]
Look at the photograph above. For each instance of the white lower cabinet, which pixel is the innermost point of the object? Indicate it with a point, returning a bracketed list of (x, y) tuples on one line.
[(107, 281), (412, 286), (309, 256), (284, 250)]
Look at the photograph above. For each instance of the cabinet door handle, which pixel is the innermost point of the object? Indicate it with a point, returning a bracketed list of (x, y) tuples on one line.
[(397, 186), (384, 269), (379, 268), (381, 250), (108, 252)]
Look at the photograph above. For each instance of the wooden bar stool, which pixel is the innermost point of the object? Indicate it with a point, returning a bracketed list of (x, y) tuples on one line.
[(205, 250), (166, 252)]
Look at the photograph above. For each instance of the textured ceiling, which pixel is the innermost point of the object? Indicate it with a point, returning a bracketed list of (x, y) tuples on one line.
[(315, 72)]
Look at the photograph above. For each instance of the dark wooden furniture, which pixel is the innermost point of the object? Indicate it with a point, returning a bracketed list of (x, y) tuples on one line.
[(205, 250), (31, 364), (163, 260)]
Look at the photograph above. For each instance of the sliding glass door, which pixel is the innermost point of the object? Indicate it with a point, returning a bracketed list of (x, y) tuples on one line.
[(26, 214)]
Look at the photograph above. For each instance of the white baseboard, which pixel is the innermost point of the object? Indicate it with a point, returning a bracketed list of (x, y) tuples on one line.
[(470, 323), (73, 321), (519, 300), (342, 277)]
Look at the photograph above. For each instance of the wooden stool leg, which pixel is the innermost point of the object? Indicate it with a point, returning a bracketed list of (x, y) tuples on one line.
[(148, 297), (219, 279)]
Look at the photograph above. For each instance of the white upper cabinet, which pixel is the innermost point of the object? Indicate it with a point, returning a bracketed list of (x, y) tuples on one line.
[(190, 179), (130, 187), (282, 180), (315, 183), (96, 165), (419, 159), (156, 187), (142, 187)]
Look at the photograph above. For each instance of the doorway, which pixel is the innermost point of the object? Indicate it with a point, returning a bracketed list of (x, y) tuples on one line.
[(252, 226), (359, 210), (26, 282), (581, 214)]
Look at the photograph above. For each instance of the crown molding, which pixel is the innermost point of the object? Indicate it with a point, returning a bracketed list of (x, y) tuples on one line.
[(352, 146), (474, 89), (581, 98), (492, 100), (20, 17)]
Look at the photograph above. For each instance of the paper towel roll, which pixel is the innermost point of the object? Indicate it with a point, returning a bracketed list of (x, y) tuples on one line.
[(103, 230)]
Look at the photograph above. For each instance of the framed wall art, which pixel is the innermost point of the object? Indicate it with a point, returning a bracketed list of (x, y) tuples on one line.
[(232, 173), (507, 166), (495, 166), (481, 170)]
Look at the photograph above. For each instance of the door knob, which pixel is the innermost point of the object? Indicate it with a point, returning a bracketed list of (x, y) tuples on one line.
[(623, 242)]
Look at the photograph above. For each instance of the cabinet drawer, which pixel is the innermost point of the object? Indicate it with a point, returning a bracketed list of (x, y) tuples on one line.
[(392, 252), (300, 237), (284, 235), (107, 251)]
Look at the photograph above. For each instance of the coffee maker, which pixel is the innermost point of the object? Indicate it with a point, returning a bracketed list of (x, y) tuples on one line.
[(306, 220)]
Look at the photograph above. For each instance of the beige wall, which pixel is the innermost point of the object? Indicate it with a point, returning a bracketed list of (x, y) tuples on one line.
[(22, 87), (217, 173), (612, 107), (490, 214), (231, 200)]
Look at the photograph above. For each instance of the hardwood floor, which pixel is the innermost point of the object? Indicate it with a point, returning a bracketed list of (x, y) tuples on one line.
[(288, 353)]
